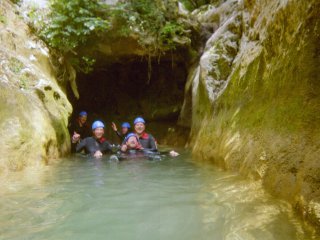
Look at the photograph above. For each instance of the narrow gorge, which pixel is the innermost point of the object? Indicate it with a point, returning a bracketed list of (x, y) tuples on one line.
[(244, 85)]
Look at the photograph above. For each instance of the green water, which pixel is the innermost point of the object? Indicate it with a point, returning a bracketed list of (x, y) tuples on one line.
[(140, 199)]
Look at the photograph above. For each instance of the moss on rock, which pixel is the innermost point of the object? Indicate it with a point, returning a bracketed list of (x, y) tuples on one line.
[(34, 110), (265, 122)]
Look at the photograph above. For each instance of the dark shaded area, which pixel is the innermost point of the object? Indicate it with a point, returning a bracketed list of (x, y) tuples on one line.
[(125, 89), (121, 91)]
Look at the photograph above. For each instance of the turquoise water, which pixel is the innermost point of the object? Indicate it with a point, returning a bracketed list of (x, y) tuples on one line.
[(176, 198)]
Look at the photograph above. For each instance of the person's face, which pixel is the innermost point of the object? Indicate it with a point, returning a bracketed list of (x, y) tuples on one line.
[(83, 119), (132, 142), (98, 133), (124, 130), (139, 128)]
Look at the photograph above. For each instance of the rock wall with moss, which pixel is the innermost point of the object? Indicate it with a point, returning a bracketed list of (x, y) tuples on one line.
[(33, 109), (254, 97)]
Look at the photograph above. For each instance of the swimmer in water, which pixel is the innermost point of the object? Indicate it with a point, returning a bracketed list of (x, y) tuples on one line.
[(97, 144), (125, 127)]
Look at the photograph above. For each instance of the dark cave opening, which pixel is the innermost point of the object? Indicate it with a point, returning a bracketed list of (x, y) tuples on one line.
[(120, 91)]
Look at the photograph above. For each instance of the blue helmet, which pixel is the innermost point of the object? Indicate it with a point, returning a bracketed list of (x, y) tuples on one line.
[(126, 125), (97, 124), (139, 119), (83, 113), (130, 135)]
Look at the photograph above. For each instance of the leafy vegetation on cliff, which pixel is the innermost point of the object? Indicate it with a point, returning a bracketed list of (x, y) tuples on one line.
[(194, 4), (71, 25), (157, 24)]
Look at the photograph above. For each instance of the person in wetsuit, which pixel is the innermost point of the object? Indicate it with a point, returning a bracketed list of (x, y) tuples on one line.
[(97, 144), (131, 142), (131, 148), (142, 144), (125, 127), (79, 129), (146, 140), (80, 126)]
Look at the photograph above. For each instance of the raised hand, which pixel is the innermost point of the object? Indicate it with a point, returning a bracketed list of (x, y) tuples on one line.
[(75, 137), (173, 153), (124, 148), (114, 126), (98, 154)]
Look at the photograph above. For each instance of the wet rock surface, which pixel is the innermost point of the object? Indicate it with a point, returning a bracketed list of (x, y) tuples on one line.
[(254, 97), (34, 109)]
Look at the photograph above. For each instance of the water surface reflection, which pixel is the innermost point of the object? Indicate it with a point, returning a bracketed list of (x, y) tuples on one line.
[(170, 199)]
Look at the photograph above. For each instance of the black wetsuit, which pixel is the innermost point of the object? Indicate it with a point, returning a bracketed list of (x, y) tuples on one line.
[(121, 136), (91, 145), (139, 154), (148, 142), (83, 130)]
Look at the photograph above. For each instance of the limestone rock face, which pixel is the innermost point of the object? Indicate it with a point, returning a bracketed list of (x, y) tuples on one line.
[(208, 78), (254, 96), (34, 110)]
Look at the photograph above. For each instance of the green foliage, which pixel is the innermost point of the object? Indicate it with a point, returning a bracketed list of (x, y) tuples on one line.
[(194, 4), (15, 65), (155, 22), (16, 1), (35, 17), (23, 81), (3, 19), (84, 64), (169, 32), (72, 23)]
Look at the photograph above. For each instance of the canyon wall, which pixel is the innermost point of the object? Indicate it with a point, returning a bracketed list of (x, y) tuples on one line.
[(34, 109), (253, 99)]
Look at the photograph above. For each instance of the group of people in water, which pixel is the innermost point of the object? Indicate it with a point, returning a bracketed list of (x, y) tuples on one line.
[(95, 144)]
